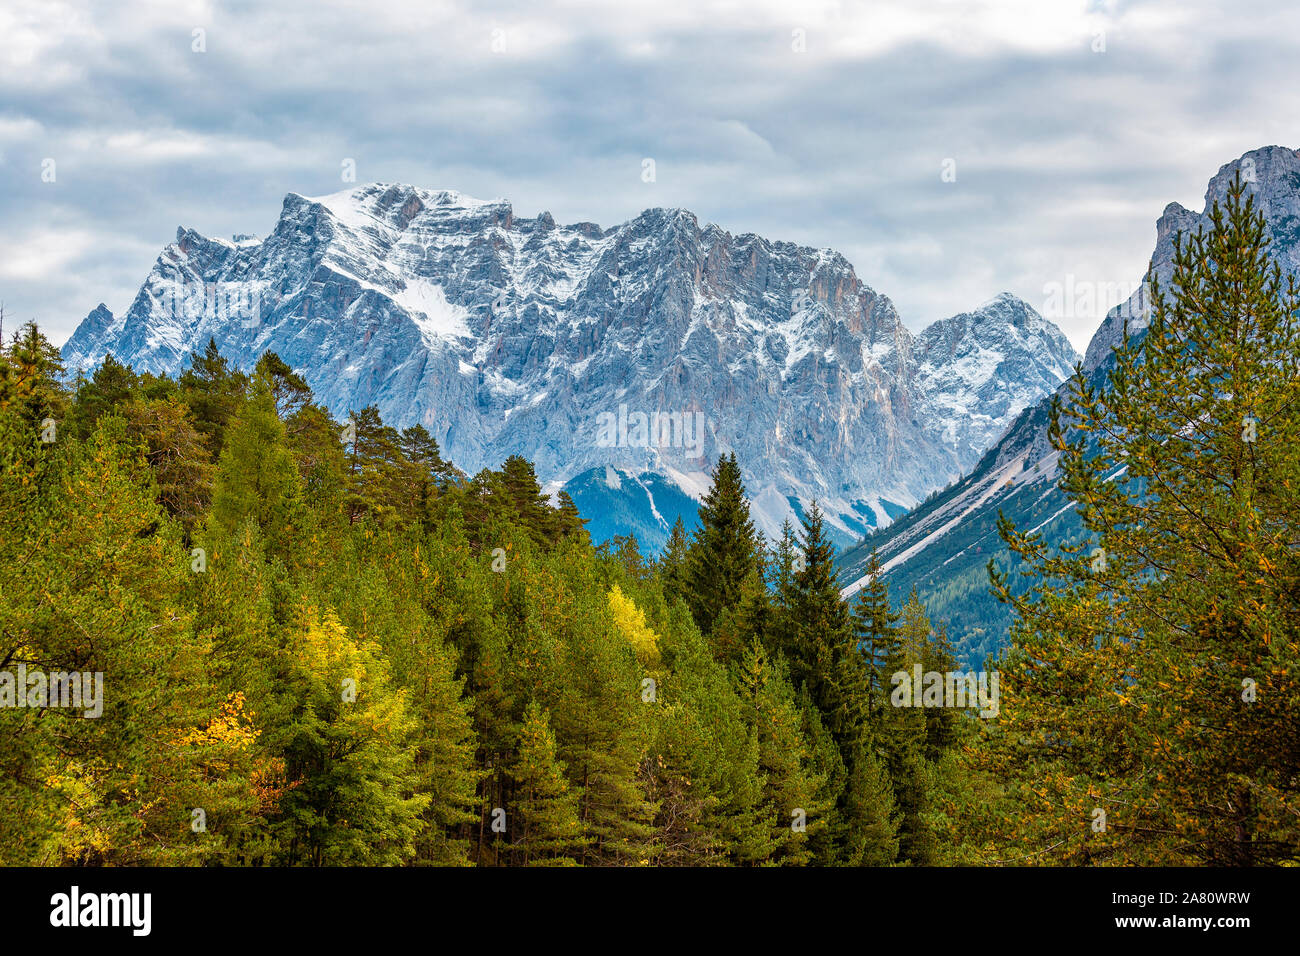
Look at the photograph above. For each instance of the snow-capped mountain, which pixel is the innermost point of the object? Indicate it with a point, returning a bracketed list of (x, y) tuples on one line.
[(942, 547), (978, 370), (644, 349)]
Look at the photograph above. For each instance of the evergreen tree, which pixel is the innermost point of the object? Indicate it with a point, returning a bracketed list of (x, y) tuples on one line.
[(1154, 674), (869, 821), (315, 441), (425, 474), (794, 806), (526, 501), (214, 391), (672, 562), (875, 625), (444, 759), (546, 826), (353, 795), (257, 476), (107, 390), (902, 736), (724, 552), (32, 385), (95, 582), (374, 468), (833, 671), (825, 658), (289, 390), (568, 523), (176, 454)]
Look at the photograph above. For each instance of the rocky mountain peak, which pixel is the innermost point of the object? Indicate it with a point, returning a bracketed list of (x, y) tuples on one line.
[(507, 335), (1272, 176)]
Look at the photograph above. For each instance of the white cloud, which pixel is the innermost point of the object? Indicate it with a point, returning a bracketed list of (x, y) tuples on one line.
[(42, 254), (1065, 157)]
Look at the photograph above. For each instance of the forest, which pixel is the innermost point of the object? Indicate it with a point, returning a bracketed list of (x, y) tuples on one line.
[(321, 644)]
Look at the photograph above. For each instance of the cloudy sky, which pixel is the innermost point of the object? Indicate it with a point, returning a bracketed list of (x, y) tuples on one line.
[(1065, 127)]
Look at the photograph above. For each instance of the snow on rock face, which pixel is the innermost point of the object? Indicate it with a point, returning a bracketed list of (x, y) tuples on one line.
[(977, 371), (650, 347)]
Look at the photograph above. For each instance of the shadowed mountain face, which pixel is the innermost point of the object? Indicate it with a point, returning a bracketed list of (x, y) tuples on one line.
[(645, 349), (943, 546)]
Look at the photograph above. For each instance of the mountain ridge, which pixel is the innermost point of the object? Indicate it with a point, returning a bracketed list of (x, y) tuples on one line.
[(942, 546), (510, 335)]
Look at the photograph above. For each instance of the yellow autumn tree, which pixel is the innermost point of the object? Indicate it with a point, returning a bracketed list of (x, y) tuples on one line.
[(630, 621)]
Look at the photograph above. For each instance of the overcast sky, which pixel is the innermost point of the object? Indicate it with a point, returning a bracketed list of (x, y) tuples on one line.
[(1069, 126)]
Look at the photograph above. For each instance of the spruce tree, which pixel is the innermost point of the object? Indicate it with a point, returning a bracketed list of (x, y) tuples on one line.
[(672, 562), (724, 553), (902, 738), (833, 671), (875, 625), (794, 808)]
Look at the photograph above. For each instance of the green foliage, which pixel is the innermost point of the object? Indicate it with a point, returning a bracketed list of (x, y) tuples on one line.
[(1156, 663), (344, 651), (546, 814), (725, 555)]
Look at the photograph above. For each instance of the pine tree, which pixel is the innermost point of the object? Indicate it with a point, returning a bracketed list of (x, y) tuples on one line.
[(374, 468), (702, 773), (875, 625), (525, 498), (869, 820), (724, 553), (424, 475), (214, 391), (546, 828), (568, 523), (107, 390), (289, 390), (315, 440), (1161, 648), (257, 476), (176, 454), (32, 385)]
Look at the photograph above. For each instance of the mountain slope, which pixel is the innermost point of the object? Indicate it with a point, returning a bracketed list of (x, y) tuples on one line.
[(648, 348), (941, 547)]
